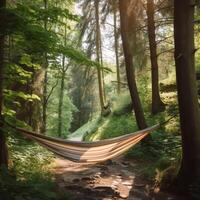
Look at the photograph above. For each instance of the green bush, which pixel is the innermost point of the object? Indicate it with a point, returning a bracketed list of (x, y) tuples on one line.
[(163, 153), (113, 126), (29, 176)]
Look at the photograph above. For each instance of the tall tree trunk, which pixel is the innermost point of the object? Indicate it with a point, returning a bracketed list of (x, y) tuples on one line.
[(101, 98), (115, 5), (45, 66), (3, 145), (187, 93), (35, 108), (62, 84), (101, 61), (157, 104), (127, 16), (44, 115)]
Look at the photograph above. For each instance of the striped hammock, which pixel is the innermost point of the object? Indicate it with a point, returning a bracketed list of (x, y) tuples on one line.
[(89, 152)]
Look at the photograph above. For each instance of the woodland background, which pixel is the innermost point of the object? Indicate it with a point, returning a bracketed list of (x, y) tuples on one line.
[(91, 70)]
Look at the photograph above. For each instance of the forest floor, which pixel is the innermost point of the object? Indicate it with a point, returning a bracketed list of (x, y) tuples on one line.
[(112, 180)]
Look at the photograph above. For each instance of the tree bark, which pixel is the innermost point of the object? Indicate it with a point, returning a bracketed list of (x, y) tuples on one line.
[(157, 104), (44, 115), (3, 145), (101, 62), (115, 5), (101, 98), (189, 173), (128, 27), (45, 66), (62, 84)]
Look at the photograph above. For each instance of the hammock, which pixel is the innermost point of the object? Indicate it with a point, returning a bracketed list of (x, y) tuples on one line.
[(89, 152)]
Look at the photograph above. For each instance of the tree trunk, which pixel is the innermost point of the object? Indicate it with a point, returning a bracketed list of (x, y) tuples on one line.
[(116, 46), (157, 104), (35, 108), (187, 93), (101, 62), (98, 55), (62, 84), (127, 16), (3, 145), (44, 115), (45, 66)]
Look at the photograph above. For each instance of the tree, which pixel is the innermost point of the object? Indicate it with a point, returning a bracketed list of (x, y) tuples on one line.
[(115, 9), (98, 55), (64, 69), (157, 104), (128, 28), (189, 173), (45, 68), (3, 146)]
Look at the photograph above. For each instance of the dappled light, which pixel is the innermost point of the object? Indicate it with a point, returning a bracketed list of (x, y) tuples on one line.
[(99, 100)]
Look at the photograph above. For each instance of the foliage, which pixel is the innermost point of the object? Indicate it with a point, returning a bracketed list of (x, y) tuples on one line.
[(29, 177), (44, 42), (143, 82), (112, 126), (78, 56), (164, 151), (88, 128), (122, 104), (67, 114)]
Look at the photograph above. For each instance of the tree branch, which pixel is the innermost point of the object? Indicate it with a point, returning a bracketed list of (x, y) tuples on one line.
[(168, 50), (51, 91)]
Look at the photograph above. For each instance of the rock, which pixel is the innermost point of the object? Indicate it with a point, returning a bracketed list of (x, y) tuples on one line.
[(124, 194), (97, 175), (104, 191), (127, 183), (115, 182)]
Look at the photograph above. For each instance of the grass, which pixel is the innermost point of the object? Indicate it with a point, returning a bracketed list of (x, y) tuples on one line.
[(113, 126), (88, 128), (163, 153)]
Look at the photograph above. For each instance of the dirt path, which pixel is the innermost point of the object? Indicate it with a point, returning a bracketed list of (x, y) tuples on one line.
[(113, 180)]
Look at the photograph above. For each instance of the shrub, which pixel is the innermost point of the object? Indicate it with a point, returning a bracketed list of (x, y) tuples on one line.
[(29, 176)]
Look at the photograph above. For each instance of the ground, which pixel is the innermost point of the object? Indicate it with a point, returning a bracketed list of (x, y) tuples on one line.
[(113, 180)]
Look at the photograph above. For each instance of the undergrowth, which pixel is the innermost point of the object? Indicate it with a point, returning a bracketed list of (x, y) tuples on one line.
[(29, 176), (163, 154)]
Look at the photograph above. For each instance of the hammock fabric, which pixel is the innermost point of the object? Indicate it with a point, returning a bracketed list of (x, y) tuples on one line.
[(89, 152)]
